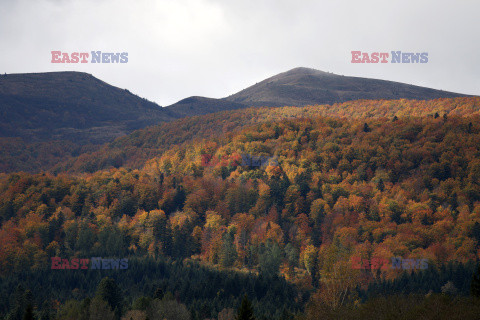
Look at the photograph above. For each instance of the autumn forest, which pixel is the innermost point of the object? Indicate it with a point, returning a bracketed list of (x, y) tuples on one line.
[(370, 207)]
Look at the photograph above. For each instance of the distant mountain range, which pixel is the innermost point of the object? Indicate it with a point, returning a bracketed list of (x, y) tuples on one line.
[(303, 86), (80, 108)]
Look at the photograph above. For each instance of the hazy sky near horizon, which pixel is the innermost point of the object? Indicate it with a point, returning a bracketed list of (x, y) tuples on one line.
[(214, 48)]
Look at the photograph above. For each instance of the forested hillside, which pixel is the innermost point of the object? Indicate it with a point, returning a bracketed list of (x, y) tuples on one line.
[(296, 193), (57, 121), (133, 150)]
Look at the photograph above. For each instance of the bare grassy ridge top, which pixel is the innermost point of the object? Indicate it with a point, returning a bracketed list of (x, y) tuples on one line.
[(305, 86)]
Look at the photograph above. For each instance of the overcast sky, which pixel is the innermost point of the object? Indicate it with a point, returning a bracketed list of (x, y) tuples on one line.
[(214, 48)]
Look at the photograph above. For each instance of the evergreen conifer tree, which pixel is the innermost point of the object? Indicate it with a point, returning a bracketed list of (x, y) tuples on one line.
[(245, 312), (475, 285)]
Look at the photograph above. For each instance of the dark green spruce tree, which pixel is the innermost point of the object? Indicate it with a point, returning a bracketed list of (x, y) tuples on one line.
[(475, 285), (28, 315), (245, 312), (109, 292)]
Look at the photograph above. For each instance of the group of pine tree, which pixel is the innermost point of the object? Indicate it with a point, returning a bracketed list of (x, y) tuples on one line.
[(209, 236)]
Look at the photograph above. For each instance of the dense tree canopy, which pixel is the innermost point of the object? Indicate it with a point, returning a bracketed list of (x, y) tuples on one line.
[(390, 181)]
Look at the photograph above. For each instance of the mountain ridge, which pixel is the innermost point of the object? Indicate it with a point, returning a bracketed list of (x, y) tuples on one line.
[(79, 107), (72, 106), (303, 86), (63, 116)]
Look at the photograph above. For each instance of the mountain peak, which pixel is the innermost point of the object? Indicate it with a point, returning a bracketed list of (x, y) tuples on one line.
[(304, 70), (73, 106), (305, 86)]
